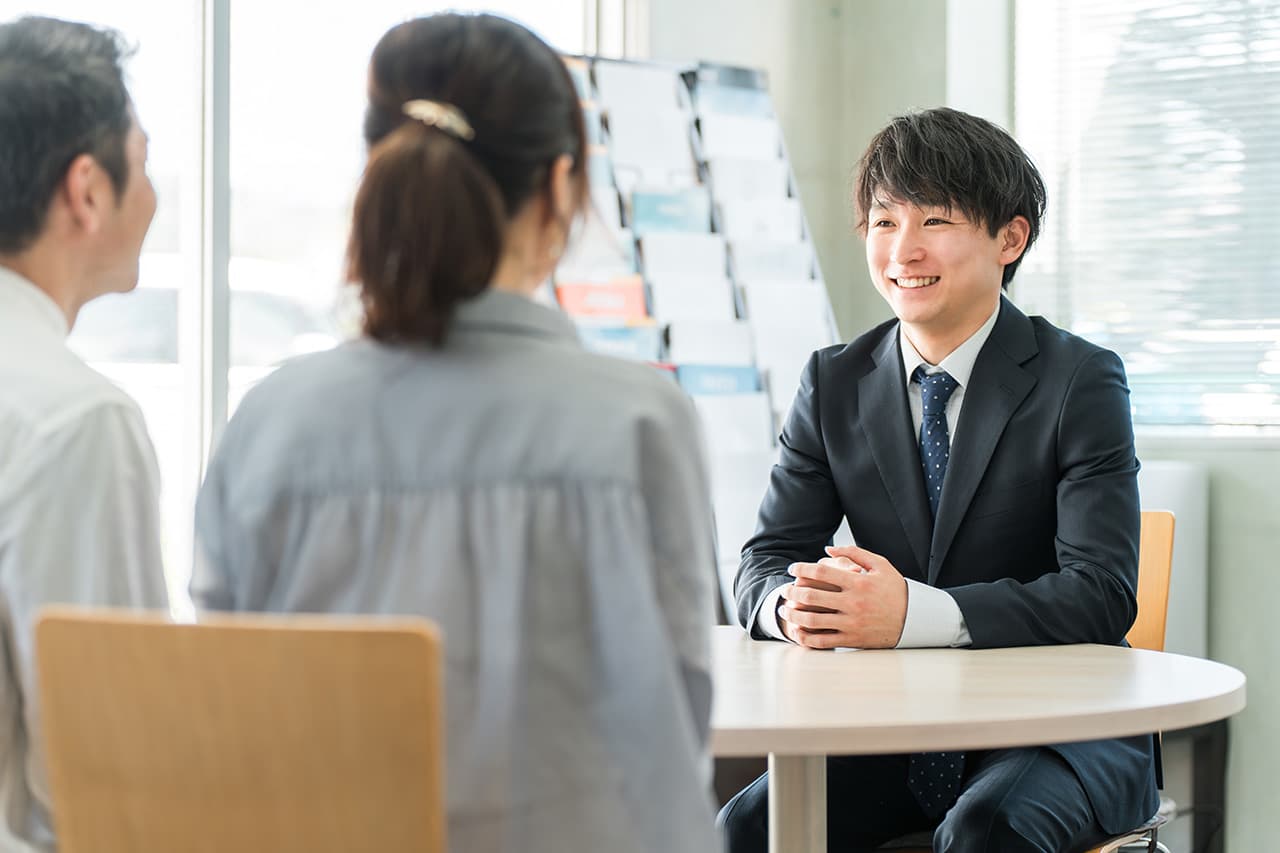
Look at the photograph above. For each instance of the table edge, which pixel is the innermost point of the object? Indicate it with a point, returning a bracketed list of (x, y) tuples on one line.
[(917, 737)]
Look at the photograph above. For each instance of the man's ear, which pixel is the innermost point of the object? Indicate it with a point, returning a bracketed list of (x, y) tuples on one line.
[(87, 193), (1013, 239)]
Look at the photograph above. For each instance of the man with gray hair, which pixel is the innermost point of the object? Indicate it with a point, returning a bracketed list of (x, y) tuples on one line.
[(79, 484)]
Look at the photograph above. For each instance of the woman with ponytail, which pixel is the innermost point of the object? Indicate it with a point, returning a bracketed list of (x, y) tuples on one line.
[(467, 461)]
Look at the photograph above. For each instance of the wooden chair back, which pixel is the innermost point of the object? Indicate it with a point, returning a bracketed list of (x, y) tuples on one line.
[(244, 733), (1155, 559)]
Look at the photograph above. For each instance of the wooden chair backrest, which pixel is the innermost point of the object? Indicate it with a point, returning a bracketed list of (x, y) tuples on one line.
[(244, 733), (1155, 558)]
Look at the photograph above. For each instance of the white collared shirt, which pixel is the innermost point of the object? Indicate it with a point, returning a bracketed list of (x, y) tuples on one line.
[(79, 522), (933, 617)]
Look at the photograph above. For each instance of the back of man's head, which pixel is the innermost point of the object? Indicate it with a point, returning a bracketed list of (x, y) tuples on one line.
[(946, 158), (62, 94)]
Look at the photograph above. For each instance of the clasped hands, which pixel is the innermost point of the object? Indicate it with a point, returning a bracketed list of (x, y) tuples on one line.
[(851, 597)]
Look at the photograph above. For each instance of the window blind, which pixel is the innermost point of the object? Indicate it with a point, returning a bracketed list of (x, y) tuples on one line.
[(1156, 125)]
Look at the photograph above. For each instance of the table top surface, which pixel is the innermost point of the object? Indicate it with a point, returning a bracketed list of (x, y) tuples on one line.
[(776, 697)]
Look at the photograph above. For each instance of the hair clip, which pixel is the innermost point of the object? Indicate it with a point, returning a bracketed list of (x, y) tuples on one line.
[(444, 116)]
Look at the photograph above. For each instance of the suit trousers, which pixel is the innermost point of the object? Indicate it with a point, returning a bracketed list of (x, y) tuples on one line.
[(1011, 801)]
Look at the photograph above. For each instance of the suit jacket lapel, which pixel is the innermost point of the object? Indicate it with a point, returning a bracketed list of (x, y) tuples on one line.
[(886, 422), (997, 387)]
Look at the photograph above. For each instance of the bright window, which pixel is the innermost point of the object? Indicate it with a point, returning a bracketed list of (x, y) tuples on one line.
[(1156, 127)]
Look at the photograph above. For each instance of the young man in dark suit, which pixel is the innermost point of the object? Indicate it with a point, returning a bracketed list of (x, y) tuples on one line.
[(984, 460)]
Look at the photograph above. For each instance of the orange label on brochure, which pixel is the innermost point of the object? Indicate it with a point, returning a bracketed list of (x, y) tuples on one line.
[(622, 298)]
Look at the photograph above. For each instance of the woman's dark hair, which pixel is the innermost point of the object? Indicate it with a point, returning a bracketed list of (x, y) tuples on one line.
[(946, 158), (62, 94), (432, 209)]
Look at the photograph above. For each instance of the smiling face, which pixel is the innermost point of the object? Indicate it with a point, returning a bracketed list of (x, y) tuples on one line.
[(939, 271)]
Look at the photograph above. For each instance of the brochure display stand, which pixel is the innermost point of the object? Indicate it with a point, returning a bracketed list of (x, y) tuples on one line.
[(696, 257)]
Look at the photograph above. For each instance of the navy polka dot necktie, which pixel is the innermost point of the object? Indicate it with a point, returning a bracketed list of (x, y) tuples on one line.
[(935, 439), (934, 777)]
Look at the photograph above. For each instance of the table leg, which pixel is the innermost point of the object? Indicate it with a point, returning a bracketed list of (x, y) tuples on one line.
[(797, 803), (1209, 779)]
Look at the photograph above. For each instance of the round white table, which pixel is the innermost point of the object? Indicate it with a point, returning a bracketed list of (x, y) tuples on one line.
[(800, 705)]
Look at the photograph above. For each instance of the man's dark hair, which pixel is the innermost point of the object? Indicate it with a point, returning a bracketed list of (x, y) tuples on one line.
[(945, 158), (62, 94)]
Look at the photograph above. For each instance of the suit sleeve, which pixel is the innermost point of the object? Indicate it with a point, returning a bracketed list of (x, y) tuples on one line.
[(1092, 597), (800, 510)]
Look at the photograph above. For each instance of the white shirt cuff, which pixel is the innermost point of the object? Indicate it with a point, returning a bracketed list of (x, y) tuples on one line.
[(933, 619), (767, 615)]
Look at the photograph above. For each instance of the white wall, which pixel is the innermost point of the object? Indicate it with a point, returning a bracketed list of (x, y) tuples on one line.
[(980, 57)]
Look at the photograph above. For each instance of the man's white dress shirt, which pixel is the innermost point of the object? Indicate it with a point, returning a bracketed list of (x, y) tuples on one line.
[(79, 522), (933, 617)]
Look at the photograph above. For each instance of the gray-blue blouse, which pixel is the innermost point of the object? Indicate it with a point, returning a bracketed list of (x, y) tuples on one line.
[(549, 509)]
